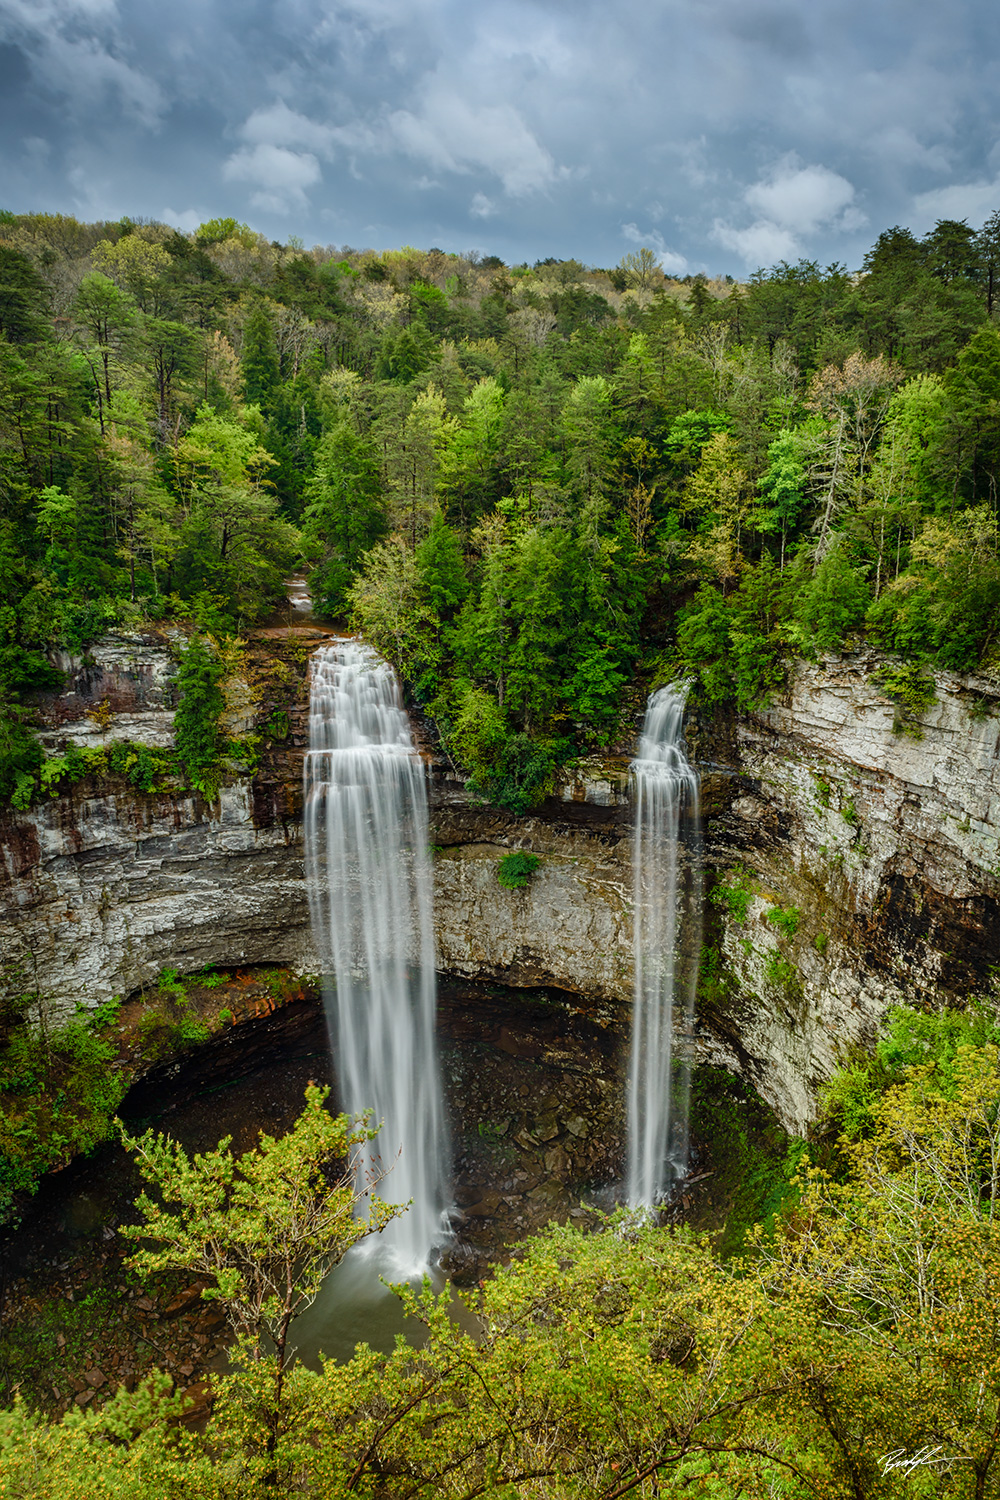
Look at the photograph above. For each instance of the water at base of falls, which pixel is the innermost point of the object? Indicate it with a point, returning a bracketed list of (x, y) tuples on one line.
[(666, 876), (370, 891)]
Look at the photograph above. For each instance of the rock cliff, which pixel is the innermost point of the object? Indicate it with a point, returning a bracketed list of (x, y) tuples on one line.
[(852, 866), (856, 866)]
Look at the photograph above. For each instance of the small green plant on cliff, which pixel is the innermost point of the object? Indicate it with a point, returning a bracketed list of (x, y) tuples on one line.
[(278, 726), (823, 790), (734, 894), (783, 976), (911, 689), (786, 919), (516, 869)]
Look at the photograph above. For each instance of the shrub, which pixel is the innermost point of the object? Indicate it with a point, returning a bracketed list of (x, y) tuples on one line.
[(786, 919), (196, 723), (59, 1093), (516, 869), (912, 691), (735, 895)]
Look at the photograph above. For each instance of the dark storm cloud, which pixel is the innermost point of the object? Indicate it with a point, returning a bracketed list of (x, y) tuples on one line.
[(723, 134)]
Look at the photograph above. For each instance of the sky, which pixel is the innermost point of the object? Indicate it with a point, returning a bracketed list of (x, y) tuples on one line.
[(722, 134)]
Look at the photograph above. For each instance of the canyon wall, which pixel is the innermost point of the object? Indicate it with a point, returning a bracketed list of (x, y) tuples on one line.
[(852, 865)]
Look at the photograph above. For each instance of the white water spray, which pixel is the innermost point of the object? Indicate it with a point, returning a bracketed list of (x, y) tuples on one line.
[(665, 791), (370, 889)]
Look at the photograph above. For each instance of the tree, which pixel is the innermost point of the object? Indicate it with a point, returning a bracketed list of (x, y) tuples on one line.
[(266, 1227), (897, 1268), (259, 357), (441, 567), (24, 298), (233, 540), (640, 268), (196, 722), (174, 351), (988, 245), (106, 314), (137, 266), (386, 602), (345, 514)]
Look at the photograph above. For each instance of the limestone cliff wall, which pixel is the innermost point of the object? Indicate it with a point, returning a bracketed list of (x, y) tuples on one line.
[(101, 892), (880, 849), (884, 845)]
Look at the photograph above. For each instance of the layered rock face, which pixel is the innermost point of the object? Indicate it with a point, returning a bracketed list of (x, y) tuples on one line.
[(853, 866), (866, 860)]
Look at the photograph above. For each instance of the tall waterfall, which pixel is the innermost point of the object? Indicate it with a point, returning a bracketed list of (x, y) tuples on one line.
[(665, 790), (370, 889)]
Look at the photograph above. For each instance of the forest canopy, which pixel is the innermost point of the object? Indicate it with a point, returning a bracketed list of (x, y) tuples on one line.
[(524, 484)]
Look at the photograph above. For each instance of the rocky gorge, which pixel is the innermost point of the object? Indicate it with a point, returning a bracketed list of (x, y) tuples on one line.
[(852, 860)]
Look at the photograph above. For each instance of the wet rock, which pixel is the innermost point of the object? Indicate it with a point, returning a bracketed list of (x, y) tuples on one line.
[(184, 1300), (557, 1161), (486, 1206)]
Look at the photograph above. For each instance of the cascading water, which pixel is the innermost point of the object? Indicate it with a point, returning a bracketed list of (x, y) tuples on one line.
[(665, 791), (370, 887)]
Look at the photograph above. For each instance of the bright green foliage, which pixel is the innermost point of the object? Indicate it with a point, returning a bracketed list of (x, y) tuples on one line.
[(734, 646), (857, 1330), (510, 478), (734, 894), (345, 514), (831, 604), (516, 869), (441, 568), (59, 1091), (911, 1039), (265, 1227), (786, 919), (912, 690), (196, 722)]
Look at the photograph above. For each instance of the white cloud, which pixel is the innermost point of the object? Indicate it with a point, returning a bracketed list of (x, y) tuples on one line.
[(188, 219), (280, 176), (792, 203), (800, 198), (450, 134), (277, 125), (974, 201), (762, 244), (273, 161), (667, 259), (482, 207)]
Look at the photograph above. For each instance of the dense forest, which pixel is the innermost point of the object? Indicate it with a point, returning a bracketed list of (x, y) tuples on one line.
[(523, 483)]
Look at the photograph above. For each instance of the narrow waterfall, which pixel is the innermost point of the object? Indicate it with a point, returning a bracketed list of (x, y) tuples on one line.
[(370, 890), (666, 879)]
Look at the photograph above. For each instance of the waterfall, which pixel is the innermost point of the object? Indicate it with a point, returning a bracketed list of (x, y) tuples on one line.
[(665, 791), (370, 889)]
